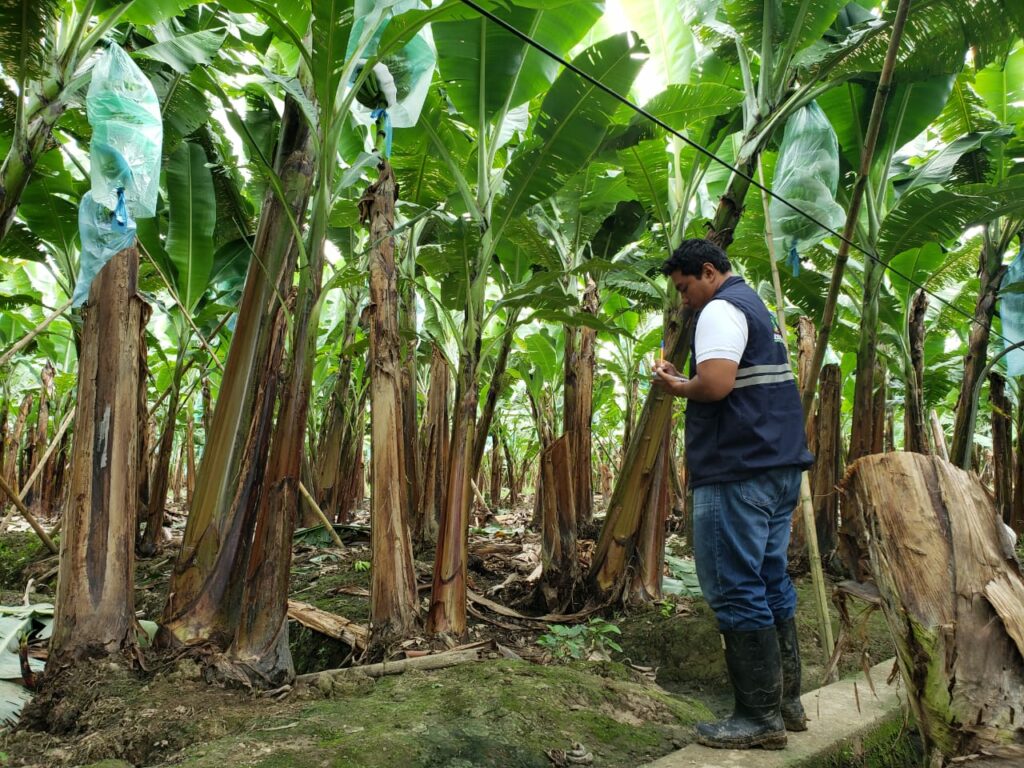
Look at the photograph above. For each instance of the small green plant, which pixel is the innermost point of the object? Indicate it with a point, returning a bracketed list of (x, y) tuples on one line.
[(667, 609), (361, 566), (592, 641)]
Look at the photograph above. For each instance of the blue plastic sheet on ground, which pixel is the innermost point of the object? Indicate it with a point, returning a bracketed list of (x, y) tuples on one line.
[(104, 233), (127, 137), (1011, 313)]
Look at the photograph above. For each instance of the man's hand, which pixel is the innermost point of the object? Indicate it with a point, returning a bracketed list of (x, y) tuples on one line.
[(715, 379), (668, 378)]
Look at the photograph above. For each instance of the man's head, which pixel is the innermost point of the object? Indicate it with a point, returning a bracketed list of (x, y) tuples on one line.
[(697, 267)]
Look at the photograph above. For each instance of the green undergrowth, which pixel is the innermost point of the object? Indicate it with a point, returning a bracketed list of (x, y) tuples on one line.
[(17, 550)]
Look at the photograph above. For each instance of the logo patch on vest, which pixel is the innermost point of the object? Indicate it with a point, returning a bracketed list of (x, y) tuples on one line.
[(776, 333)]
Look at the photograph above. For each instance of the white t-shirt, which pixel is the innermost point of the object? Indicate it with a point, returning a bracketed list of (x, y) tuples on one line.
[(721, 332)]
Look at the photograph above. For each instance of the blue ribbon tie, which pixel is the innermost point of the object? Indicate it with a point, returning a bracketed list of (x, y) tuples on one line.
[(377, 114)]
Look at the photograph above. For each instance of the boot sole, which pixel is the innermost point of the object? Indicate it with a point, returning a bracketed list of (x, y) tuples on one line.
[(767, 741), (796, 727)]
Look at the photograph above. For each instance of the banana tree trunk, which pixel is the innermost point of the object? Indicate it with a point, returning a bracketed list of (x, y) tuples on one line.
[(579, 405), (862, 435), (915, 430), (205, 591), (448, 595), (495, 485), (1017, 513), (433, 449), (560, 566), (1002, 445), (483, 424), (14, 441), (149, 542), (828, 464), (510, 471), (38, 495), (645, 586), (260, 656), (95, 608), (332, 473), (628, 501), (991, 271), (393, 600), (952, 595), (407, 351), (880, 441)]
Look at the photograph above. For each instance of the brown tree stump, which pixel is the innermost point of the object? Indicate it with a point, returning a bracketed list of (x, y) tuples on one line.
[(928, 535)]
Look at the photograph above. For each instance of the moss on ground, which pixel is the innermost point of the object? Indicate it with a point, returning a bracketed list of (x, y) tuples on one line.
[(497, 713), (894, 745)]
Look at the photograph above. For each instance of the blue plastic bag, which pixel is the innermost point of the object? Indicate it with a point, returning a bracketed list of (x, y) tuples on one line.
[(103, 233), (127, 134), (1011, 313)]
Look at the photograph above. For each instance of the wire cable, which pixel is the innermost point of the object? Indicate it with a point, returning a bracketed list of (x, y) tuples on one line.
[(711, 155)]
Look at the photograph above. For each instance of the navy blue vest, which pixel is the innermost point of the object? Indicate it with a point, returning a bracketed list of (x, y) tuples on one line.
[(760, 424)]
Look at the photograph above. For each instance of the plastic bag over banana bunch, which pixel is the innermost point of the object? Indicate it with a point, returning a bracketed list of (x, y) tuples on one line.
[(397, 85), (1011, 313), (806, 175), (127, 137)]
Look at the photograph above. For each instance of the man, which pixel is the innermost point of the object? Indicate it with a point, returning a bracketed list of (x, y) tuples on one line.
[(745, 451)]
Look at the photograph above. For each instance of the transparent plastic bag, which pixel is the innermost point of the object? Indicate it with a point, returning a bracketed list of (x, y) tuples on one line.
[(127, 134), (104, 233), (1011, 313), (399, 82), (806, 175)]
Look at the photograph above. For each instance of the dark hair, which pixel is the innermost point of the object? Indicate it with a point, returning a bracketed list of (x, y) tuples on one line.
[(691, 256)]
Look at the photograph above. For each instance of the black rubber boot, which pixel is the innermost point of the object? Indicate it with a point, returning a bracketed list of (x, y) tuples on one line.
[(756, 675), (793, 714)]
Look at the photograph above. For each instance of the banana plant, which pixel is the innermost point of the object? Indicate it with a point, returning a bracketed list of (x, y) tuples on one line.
[(563, 136)]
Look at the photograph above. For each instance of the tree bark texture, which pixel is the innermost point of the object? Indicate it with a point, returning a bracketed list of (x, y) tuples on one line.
[(915, 430), (1002, 445), (1017, 511), (433, 449), (407, 355), (805, 338), (483, 423), (828, 464), (952, 595), (579, 419), (863, 437), (560, 565), (393, 600), (879, 411), (495, 471), (510, 472), (626, 508), (13, 452), (990, 276), (448, 594), (260, 656), (149, 542), (39, 495), (645, 585), (335, 460), (205, 591), (95, 608)]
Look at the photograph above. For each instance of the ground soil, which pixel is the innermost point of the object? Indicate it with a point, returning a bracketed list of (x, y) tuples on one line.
[(521, 707)]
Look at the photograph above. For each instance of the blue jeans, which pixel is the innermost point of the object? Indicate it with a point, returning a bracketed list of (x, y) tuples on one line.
[(740, 538)]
